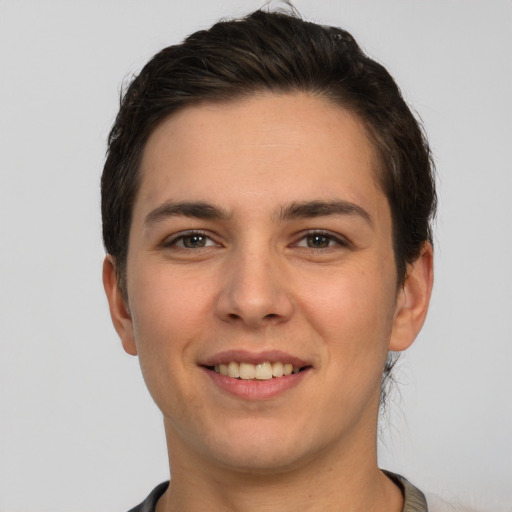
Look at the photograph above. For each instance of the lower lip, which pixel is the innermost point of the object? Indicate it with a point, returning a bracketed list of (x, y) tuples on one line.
[(256, 389)]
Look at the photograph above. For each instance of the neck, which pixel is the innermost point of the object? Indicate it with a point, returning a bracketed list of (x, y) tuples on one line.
[(341, 480)]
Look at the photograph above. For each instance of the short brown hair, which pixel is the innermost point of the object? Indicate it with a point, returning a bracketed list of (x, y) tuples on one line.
[(279, 52), (272, 51)]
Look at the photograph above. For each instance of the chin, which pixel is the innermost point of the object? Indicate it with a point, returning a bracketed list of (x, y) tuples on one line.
[(262, 461), (261, 451)]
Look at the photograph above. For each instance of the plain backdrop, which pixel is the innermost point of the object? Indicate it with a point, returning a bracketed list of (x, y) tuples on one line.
[(78, 430)]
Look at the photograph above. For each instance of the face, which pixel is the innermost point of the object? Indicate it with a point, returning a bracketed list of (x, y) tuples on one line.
[(261, 244)]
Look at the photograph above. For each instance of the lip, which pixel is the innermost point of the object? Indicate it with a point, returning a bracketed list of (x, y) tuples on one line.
[(245, 356), (254, 390)]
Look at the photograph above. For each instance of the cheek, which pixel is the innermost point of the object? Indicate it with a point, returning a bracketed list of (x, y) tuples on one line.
[(351, 314), (166, 305), (168, 315), (352, 311)]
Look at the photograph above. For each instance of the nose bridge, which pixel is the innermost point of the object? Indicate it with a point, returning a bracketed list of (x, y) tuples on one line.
[(253, 289)]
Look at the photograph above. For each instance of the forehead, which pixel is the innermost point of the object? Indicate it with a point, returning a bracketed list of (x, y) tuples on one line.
[(265, 149)]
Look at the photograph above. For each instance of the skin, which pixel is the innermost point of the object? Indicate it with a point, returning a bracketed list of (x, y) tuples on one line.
[(322, 288)]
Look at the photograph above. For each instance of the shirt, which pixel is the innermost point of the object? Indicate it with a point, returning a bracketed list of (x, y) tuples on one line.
[(414, 499)]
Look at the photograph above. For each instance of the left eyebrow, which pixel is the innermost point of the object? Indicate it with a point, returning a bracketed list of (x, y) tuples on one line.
[(305, 209)]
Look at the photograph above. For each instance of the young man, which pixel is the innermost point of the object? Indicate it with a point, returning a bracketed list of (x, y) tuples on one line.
[(266, 203)]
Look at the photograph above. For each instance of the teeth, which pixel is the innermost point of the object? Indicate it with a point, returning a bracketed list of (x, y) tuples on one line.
[(261, 371), (233, 370), (247, 371), (277, 370)]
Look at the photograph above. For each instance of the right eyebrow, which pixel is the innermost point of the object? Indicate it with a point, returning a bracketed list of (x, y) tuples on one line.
[(196, 209)]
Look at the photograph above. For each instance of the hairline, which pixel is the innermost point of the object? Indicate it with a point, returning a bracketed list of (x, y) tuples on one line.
[(379, 164)]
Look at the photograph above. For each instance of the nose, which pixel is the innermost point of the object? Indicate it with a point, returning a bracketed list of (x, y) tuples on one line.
[(254, 290)]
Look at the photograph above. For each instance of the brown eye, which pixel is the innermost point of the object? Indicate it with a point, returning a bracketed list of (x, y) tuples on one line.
[(191, 240), (194, 241), (322, 240), (318, 241)]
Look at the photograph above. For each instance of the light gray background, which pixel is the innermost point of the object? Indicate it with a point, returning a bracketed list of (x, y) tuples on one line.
[(78, 431)]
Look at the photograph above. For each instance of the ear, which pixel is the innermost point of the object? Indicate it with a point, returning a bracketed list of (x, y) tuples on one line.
[(119, 310), (413, 300)]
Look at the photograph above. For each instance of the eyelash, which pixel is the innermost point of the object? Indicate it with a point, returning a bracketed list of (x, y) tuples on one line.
[(338, 240), (332, 240), (176, 239)]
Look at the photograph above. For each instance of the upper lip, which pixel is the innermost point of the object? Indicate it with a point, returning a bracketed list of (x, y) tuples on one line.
[(246, 356)]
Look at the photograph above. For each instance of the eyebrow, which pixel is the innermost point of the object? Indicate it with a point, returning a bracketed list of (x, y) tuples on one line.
[(294, 210), (199, 210), (320, 208)]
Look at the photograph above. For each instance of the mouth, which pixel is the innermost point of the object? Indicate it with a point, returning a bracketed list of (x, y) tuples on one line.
[(254, 376), (261, 371)]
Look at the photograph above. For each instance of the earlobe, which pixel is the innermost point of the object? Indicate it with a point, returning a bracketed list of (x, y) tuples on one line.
[(119, 311), (413, 300)]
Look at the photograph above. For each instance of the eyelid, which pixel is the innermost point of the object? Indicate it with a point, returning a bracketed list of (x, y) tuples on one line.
[(339, 240), (172, 240)]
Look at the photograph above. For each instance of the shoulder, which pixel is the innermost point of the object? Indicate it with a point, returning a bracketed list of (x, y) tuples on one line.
[(414, 499), (149, 504), (437, 503)]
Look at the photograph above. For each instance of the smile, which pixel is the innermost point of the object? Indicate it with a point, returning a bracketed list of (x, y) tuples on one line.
[(254, 376), (260, 371)]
